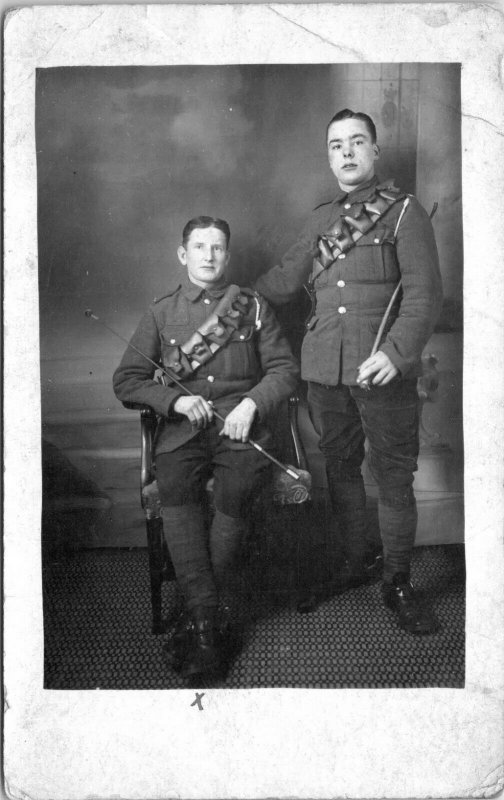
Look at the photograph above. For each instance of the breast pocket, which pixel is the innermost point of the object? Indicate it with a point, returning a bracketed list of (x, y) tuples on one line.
[(171, 339), (374, 256), (243, 334), (240, 353)]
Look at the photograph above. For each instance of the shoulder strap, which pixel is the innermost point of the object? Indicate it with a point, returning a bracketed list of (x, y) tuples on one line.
[(169, 293)]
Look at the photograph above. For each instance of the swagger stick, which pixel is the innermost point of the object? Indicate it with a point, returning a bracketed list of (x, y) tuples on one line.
[(187, 391)]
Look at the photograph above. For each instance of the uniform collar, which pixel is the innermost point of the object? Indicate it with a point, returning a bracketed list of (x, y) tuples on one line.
[(362, 192), (193, 292)]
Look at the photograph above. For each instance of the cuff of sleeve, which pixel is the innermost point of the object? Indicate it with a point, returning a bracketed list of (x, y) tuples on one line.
[(253, 394), (170, 412), (402, 364)]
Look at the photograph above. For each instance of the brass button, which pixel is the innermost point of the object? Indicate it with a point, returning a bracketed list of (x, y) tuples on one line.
[(342, 310), (377, 241), (173, 341), (210, 379), (347, 205), (341, 284), (206, 301), (242, 337), (342, 255)]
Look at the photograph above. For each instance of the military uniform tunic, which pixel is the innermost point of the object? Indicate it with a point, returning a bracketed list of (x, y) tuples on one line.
[(257, 362), (351, 297), (353, 293)]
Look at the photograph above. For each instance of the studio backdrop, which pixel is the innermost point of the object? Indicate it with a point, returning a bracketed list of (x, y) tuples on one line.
[(126, 156)]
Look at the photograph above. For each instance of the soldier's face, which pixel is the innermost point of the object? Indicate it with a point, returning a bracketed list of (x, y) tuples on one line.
[(352, 154), (205, 255)]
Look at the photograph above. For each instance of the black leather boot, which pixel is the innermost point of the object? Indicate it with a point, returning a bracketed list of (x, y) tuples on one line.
[(179, 641), (203, 659), (412, 615)]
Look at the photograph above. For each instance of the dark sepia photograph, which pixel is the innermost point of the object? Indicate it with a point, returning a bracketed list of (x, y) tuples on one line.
[(251, 350)]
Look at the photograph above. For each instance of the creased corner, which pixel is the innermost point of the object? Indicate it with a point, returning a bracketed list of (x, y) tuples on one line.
[(491, 785), (15, 793)]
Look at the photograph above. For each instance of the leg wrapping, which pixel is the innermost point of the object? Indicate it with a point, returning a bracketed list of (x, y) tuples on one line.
[(398, 524), (187, 542)]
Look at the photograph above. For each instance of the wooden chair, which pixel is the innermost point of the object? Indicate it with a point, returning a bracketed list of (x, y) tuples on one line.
[(160, 565)]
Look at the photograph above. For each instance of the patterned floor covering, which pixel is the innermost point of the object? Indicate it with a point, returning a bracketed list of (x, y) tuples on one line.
[(97, 629)]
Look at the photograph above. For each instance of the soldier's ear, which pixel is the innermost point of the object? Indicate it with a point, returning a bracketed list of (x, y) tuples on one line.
[(376, 151), (182, 255)]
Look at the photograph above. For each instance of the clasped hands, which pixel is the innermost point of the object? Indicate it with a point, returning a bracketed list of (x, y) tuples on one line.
[(200, 413), (378, 365)]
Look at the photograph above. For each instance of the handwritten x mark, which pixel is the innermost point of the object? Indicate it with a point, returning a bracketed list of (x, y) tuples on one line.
[(197, 701)]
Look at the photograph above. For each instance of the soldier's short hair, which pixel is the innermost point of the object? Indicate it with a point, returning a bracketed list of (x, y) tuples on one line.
[(347, 113), (206, 222)]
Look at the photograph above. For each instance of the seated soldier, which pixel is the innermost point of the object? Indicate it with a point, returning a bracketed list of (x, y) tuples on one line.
[(226, 346)]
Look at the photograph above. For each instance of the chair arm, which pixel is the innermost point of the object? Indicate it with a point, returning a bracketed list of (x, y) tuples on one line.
[(136, 406), (148, 425), (298, 451)]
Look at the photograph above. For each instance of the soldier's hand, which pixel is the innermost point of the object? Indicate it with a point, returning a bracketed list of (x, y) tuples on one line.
[(197, 410), (239, 421), (378, 365)]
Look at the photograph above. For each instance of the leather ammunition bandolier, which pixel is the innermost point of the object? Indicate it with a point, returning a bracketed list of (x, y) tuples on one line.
[(348, 230), (215, 332)]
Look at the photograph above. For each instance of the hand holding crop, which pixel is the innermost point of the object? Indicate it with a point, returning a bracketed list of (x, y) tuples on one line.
[(239, 421), (197, 410), (378, 365)]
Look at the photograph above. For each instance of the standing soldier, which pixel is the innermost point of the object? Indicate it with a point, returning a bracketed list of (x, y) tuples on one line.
[(226, 346), (354, 251)]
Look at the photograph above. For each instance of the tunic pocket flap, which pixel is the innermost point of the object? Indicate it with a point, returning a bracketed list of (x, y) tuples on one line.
[(378, 235), (176, 335), (243, 334)]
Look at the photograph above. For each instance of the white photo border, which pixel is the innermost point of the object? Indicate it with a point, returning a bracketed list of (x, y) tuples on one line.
[(272, 742)]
